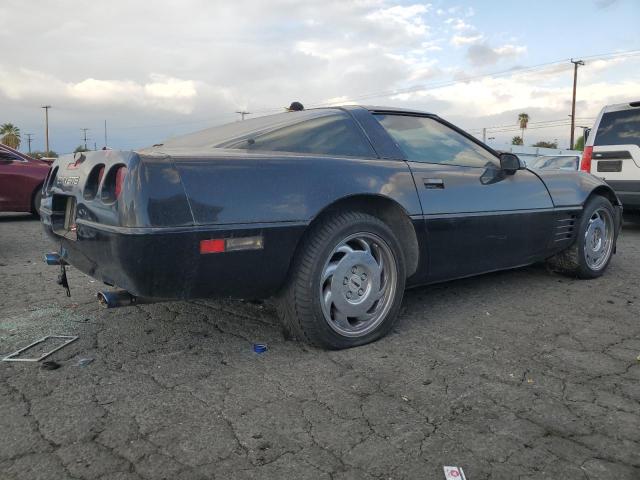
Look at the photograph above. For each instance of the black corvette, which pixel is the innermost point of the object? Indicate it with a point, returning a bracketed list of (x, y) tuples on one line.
[(333, 211)]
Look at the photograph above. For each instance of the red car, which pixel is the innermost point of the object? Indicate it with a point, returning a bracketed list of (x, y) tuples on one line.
[(21, 179)]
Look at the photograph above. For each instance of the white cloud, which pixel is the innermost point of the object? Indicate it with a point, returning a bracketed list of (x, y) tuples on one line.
[(408, 17), (459, 40), (483, 54)]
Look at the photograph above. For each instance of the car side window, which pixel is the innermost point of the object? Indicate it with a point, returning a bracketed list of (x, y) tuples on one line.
[(6, 157), (426, 140), (334, 134)]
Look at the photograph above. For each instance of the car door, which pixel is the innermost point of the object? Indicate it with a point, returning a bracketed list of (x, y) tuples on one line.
[(478, 218), (15, 194)]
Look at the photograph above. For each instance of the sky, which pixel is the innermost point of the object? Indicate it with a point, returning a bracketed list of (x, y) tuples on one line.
[(158, 69)]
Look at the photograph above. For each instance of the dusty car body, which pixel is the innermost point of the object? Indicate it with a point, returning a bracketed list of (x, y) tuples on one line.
[(21, 179), (244, 209)]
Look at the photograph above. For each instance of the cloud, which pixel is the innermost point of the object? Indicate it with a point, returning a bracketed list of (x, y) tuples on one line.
[(161, 71), (459, 40), (483, 54), (160, 92), (605, 3), (409, 18)]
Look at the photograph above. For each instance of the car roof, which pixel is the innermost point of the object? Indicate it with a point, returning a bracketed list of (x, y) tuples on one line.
[(620, 106), (222, 134), (377, 108)]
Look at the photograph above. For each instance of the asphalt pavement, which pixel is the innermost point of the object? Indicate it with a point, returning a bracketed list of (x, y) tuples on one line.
[(515, 375)]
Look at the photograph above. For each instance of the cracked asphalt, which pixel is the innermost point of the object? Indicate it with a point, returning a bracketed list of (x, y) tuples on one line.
[(515, 375)]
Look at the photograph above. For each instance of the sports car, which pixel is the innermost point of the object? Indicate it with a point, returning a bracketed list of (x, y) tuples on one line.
[(331, 211), (21, 179)]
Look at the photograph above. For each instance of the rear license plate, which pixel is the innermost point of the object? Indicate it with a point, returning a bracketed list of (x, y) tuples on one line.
[(610, 166)]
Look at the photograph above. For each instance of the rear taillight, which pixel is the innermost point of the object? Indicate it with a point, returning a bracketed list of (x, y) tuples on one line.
[(585, 164), (121, 173), (113, 182)]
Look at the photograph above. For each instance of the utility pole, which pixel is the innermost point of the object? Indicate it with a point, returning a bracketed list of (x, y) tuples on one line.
[(46, 127), (484, 134), (84, 130), (243, 113), (29, 135), (576, 63), (105, 134)]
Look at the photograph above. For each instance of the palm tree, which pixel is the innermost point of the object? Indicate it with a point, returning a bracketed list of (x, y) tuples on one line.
[(10, 135), (523, 119)]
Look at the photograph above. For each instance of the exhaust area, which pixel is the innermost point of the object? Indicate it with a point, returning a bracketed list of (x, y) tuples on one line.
[(54, 258), (120, 298)]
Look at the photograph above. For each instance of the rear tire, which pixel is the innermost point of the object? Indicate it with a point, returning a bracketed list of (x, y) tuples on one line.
[(596, 239), (35, 204), (346, 283)]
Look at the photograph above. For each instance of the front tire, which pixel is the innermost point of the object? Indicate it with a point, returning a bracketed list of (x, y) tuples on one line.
[(346, 284), (596, 239)]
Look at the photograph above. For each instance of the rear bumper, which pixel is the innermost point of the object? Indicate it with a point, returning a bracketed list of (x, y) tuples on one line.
[(166, 262), (628, 191)]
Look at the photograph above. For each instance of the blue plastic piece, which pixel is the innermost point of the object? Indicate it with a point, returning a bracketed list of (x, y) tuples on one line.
[(259, 347)]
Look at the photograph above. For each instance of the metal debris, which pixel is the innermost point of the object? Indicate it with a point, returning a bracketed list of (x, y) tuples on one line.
[(454, 473), (50, 365), (83, 362), (12, 356), (259, 347)]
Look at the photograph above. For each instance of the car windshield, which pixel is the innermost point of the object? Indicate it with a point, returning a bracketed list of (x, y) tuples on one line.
[(561, 162)]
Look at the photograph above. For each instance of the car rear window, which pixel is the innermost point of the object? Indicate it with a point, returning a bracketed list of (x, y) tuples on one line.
[(335, 134), (619, 128)]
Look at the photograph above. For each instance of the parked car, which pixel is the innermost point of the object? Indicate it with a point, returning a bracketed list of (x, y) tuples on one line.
[(612, 152), (21, 179), (333, 211), (557, 162)]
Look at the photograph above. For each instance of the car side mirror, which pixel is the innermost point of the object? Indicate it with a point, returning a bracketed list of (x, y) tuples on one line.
[(509, 163)]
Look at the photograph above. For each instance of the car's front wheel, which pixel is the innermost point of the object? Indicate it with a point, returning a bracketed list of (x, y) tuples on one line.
[(591, 253), (347, 282)]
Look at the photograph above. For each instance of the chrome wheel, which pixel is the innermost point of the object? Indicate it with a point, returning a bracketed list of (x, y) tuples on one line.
[(358, 284), (598, 239)]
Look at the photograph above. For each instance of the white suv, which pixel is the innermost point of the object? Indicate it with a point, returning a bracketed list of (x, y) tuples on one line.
[(612, 151)]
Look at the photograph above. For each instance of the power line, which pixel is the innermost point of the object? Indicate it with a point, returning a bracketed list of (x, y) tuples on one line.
[(243, 113), (46, 126), (84, 130), (29, 135), (576, 63), (541, 122)]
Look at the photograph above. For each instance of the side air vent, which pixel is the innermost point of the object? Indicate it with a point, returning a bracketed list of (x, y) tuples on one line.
[(93, 182), (565, 227)]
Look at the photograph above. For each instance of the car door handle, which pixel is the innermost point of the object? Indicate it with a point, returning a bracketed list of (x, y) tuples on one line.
[(433, 182)]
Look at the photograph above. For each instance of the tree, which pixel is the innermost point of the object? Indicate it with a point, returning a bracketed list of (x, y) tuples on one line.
[(81, 148), (523, 120), (38, 155), (10, 135), (544, 144), (579, 145), (517, 141)]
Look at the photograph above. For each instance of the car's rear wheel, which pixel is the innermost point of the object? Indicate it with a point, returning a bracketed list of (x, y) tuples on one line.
[(347, 282), (591, 253), (35, 204)]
